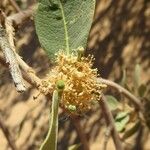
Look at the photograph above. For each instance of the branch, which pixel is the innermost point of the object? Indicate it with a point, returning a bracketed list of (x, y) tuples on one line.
[(7, 135), (8, 48), (18, 18), (14, 4), (6, 44), (14, 58), (28, 73), (106, 138), (122, 90), (110, 123), (80, 132)]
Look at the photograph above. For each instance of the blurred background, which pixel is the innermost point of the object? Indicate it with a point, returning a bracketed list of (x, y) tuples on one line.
[(119, 39)]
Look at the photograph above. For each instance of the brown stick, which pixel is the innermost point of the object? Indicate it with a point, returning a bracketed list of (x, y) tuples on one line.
[(106, 138), (27, 73), (110, 123), (122, 90), (14, 4), (18, 18), (80, 132), (11, 60), (30, 73), (7, 135)]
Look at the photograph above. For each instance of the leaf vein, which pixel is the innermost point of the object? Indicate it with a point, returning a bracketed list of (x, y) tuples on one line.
[(65, 28)]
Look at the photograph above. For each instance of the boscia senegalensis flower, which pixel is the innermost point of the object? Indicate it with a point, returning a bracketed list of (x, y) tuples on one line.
[(81, 87)]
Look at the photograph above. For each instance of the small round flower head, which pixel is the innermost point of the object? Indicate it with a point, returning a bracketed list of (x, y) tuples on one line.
[(81, 87)]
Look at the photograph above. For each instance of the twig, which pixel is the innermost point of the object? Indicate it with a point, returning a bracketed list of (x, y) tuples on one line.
[(27, 73), (7, 135), (80, 132), (122, 90), (10, 56), (14, 4), (30, 73), (107, 135), (110, 122), (139, 141), (18, 18)]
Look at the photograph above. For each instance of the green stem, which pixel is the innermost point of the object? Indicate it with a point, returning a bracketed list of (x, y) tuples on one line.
[(50, 143)]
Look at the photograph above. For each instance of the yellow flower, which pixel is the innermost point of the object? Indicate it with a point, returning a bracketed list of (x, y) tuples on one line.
[(81, 87)]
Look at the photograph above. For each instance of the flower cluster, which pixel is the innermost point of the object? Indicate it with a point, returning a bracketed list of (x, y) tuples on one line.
[(81, 87)]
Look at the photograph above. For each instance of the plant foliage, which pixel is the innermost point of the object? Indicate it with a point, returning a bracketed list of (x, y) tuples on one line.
[(63, 24)]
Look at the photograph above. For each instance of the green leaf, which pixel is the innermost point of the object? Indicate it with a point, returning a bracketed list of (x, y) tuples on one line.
[(50, 142), (137, 76), (121, 124), (112, 102), (121, 115), (121, 120), (142, 90), (74, 147), (63, 24), (131, 131)]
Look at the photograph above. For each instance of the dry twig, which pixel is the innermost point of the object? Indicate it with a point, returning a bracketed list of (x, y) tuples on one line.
[(27, 73), (106, 138), (7, 46), (110, 123), (122, 90), (80, 132), (18, 18), (14, 4)]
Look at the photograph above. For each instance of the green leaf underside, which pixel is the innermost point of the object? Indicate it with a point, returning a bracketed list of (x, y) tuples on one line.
[(120, 125), (112, 102), (64, 25), (50, 142), (121, 120), (121, 115)]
